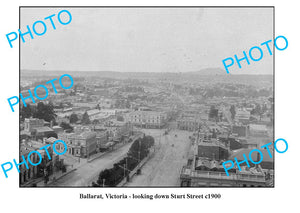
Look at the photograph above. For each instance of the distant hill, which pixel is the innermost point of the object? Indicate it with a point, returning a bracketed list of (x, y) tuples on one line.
[(207, 71), (210, 71), (204, 76)]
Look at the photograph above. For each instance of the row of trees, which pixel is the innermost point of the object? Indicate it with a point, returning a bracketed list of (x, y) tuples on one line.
[(73, 119), (259, 110), (46, 112), (41, 111), (137, 152), (85, 118)]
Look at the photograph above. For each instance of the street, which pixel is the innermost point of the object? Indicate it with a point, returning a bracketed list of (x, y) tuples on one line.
[(163, 169), (88, 172)]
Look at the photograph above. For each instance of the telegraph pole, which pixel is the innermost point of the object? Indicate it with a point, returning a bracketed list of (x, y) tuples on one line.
[(124, 170), (139, 150)]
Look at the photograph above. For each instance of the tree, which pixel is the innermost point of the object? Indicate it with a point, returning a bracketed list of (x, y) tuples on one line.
[(66, 126), (257, 110), (26, 112), (271, 99), (98, 107), (138, 150), (45, 111), (264, 108), (95, 122), (140, 147), (85, 118), (233, 112), (127, 105), (73, 118), (54, 123)]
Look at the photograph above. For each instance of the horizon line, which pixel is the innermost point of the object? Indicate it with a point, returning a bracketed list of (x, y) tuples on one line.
[(187, 72)]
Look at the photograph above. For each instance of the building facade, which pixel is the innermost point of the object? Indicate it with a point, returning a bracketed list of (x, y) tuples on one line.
[(188, 123), (33, 172), (200, 178), (147, 119), (204, 168), (37, 128), (81, 144)]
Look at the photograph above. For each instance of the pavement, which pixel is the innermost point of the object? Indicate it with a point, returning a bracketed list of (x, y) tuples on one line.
[(39, 182), (163, 169), (81, 171), (85, 174)]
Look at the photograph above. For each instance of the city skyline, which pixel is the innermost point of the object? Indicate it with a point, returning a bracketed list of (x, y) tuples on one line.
[(143, 110)]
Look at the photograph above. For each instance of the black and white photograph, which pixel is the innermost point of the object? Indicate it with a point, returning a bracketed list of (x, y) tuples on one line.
[(146, 97)]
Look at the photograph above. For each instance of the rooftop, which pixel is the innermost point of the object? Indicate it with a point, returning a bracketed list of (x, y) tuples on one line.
[(43, 129)]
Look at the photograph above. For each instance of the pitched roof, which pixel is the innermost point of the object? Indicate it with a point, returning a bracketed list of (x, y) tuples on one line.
[(43, 129), (239, 155)]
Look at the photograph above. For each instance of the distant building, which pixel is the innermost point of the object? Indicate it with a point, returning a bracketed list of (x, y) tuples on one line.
[(102, 140), (243, 116), (57, 129), (101, 115), (93, 113), (210, 178), (233, 142), (123, 129), (240, 131), (32, 123), (147, 119), (213, 149), (43, 132), (267, 162), (258, 130), (106, 103), (188, 123), (205, 169), (80, 144), (37, 128)]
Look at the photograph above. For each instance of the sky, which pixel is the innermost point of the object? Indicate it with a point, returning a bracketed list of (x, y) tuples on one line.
[(147, 39)]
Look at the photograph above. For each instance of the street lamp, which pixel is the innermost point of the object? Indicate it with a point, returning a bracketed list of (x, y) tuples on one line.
[(140, 149), (125, 167)]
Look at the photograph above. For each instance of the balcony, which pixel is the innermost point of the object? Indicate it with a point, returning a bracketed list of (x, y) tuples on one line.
[(186, 172)]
